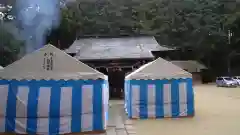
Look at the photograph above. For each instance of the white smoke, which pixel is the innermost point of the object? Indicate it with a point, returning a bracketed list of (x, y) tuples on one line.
[(37, 18)]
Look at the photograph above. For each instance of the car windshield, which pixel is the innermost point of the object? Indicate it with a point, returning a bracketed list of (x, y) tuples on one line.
[(227, 78)]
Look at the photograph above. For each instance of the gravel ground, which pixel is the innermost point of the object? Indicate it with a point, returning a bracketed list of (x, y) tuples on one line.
[(217, 113)]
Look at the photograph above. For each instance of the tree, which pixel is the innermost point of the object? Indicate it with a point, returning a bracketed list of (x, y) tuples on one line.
[(65, 34), (9, 47)]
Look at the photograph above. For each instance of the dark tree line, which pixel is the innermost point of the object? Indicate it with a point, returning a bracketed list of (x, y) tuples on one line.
[(209, 28), (203, 26)]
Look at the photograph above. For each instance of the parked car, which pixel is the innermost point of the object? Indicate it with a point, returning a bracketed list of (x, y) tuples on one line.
[(236, 79), (226, 82)]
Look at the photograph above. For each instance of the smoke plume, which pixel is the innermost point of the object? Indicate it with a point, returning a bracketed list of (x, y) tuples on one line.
[(36, 19)]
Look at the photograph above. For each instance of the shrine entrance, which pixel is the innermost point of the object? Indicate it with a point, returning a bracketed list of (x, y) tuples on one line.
[(116, 72)]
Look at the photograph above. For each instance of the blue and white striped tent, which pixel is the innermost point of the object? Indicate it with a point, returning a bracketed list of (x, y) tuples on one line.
[(159, 89), (50, 92)]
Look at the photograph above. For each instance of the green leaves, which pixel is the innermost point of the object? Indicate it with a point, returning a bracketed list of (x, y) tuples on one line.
[(9, 47), (182, 23)]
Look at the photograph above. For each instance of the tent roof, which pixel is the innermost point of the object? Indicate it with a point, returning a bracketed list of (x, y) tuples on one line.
[(115, 48), (34, 66), (1, 67), (190, 65), (159, 69)]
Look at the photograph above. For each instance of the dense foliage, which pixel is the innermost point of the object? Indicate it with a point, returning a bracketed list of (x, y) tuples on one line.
[(179, 23), (9, 47), (200, 25)]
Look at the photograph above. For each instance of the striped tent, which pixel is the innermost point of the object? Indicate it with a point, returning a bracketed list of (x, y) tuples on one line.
[(50, 92), (159, 89)]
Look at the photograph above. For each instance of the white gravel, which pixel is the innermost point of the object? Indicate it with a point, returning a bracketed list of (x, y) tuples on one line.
[(217, 113)]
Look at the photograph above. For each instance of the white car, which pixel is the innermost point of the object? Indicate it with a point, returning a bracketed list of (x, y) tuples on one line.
[(236, 79), (226, 82)]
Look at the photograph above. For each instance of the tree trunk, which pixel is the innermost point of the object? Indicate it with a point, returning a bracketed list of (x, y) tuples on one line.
[(229, 65)]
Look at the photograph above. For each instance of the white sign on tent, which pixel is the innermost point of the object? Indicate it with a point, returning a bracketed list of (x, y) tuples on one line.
[(43, 87), (49, 62)]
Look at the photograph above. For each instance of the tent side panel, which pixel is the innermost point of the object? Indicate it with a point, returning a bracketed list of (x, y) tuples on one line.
[(127, 94), (53, 107), (159, 98), (4, 88), (105, 95)]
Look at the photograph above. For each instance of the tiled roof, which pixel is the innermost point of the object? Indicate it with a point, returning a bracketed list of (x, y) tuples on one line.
[(115, 48)]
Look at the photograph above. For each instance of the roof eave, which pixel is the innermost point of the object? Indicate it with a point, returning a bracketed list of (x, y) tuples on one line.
[(96, 59)]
